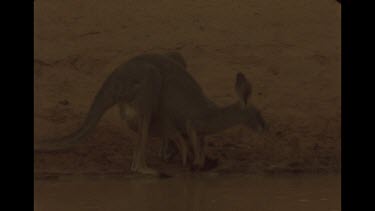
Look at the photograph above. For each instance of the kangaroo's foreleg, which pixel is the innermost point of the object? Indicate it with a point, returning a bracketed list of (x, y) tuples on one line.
[(198, 160), (182, 148)]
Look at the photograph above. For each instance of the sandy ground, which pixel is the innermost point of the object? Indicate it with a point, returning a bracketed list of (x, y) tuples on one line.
[(290, 50)]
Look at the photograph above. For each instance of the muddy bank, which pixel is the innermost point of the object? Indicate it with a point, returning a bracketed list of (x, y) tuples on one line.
[(191, 193)]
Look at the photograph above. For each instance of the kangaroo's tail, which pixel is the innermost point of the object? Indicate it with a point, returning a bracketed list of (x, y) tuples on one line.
[(104, 99)]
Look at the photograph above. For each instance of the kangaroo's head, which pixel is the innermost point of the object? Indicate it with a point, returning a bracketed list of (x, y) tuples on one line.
[(252, 116)]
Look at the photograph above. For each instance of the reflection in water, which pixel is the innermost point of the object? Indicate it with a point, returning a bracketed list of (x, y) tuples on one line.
[(191, 193)]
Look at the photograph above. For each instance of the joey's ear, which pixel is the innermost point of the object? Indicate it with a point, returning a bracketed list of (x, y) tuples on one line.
[(243, 89), (176, 56)]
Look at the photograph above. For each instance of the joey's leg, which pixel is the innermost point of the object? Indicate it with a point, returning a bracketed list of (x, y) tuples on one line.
[(168, 149), (202, 155), (163, 148)]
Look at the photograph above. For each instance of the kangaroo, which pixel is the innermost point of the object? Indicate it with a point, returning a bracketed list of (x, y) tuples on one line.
[(158, 97), (135, 86), (243, 90)]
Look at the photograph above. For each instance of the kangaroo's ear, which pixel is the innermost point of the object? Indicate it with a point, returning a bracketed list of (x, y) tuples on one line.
[(243, 89)]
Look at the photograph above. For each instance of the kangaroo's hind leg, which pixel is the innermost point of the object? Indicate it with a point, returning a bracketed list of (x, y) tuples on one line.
[(140, 125), (143, 103), (139, 159)]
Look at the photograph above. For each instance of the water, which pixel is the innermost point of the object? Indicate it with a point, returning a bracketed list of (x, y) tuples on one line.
[(191, 193)]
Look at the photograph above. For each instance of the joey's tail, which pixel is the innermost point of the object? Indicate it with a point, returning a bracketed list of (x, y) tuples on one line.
[(104, 99)]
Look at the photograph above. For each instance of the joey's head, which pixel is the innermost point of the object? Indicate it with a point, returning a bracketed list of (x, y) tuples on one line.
[(251, 115), (177, 57)]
